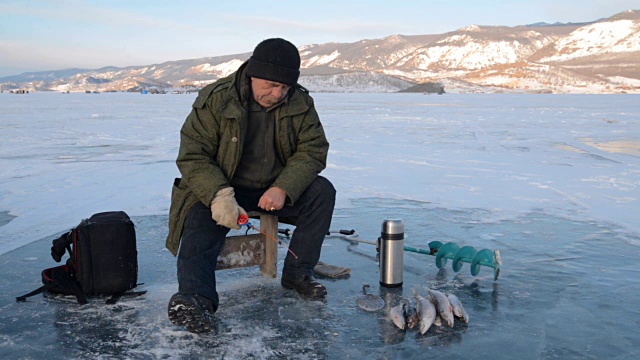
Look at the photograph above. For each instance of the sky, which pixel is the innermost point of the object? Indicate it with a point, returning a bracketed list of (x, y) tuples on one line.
[(53, 35)]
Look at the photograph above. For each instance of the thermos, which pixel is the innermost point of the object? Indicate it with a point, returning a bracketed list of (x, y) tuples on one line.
[(391, 245)]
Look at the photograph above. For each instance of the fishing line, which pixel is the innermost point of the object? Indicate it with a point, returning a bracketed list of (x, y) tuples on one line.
[(244, 220)]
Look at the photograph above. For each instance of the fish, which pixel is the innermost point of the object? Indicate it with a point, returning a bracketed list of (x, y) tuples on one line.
[(411, 315), (437, 321), (398, 313), (458, 309), (426, 312), (443, 306)]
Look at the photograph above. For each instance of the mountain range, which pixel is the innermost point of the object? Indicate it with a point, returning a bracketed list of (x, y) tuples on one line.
[(595, 57)]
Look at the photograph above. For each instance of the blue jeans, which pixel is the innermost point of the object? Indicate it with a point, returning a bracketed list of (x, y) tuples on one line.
[(202, 238)]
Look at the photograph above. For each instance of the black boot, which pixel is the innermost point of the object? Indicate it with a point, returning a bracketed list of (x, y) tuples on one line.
[(193, 311), (307, 286)]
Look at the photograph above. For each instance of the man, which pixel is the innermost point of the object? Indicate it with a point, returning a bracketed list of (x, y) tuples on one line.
[(253, 141)]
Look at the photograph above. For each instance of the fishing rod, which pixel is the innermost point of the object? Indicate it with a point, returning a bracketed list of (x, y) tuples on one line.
[(243, 220)]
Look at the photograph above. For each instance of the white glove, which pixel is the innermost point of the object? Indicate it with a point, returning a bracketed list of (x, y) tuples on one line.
[(225, 209)]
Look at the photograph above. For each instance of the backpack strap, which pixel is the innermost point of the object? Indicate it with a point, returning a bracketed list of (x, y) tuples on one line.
[(113, 299), (69, 284), (58, 280), (37, 291), (60, 244)]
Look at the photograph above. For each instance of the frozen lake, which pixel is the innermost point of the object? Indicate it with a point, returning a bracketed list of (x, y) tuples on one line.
[(67, 156), (549, 180), (567, 290)]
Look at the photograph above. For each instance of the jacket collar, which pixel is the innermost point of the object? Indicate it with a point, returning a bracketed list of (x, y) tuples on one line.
[(239, 90)]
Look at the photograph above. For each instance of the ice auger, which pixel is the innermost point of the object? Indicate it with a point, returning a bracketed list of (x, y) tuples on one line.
[(458, 255), (444, 252)]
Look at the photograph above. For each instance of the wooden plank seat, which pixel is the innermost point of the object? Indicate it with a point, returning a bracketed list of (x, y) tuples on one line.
[(255, 249)]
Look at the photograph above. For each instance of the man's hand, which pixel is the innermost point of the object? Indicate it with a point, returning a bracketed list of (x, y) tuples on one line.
[(272, 199), (225, 209)]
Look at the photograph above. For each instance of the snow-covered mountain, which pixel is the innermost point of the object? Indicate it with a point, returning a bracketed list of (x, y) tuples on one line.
[(597, 57)]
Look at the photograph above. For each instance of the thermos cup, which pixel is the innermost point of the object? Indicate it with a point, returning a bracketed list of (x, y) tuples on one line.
[(391, 245)]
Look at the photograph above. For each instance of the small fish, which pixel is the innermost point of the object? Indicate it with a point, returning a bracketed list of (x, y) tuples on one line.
[(437, 321), (426, 312), (458, 309), (443, 306), (411, 315), (397, 314)]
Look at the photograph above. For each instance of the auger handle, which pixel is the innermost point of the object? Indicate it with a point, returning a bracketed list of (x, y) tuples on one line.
[(342, 232)]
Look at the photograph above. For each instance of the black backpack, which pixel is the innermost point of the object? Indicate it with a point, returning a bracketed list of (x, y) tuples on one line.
[(103, 259)]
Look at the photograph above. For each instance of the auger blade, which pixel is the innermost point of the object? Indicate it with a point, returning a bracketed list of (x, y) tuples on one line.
[(446, 251), (465, 254)]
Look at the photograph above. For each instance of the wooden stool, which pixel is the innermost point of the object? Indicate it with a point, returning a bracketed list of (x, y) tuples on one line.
[(255, 249)]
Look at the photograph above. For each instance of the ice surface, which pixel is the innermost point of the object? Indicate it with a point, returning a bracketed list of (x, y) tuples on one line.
[(535, 176), (568, 289), (67, 156)]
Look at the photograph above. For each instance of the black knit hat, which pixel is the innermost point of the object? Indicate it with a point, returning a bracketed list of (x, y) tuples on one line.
[(276, 60)]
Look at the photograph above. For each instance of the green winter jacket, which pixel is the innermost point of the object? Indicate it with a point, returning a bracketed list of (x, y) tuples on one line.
[(211, 142)]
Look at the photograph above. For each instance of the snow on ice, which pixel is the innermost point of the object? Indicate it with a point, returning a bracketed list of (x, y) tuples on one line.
[(67, 156), (549, 180)]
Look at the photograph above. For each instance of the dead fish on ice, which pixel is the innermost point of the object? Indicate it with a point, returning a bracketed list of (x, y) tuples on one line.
[(398, 313), (434, 309), (443, 306), (426, 312), (438, 320), (411, 315), (404, 315), (458, 309)]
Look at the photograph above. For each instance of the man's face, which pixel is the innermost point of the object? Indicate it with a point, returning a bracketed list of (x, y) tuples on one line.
[(268, 93)]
